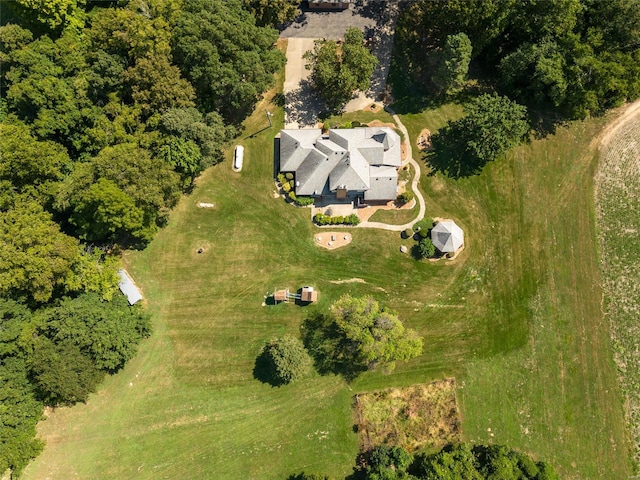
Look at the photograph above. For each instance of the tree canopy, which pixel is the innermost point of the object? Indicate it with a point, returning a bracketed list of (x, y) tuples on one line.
[(108, 113), (492, 125), (454, 462), (356, 335), (577, 57), (338, 71), (282, 361)]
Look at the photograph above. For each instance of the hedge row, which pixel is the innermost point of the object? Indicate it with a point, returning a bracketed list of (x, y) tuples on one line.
[(322, 219)]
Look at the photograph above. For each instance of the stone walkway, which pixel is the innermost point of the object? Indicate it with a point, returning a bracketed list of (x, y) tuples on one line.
[(414, 184)]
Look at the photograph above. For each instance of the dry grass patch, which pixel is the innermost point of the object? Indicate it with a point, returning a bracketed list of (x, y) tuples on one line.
[(416, 417)]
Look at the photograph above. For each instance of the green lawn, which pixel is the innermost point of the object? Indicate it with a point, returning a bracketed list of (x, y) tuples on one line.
[(399, 216), (516, 319)]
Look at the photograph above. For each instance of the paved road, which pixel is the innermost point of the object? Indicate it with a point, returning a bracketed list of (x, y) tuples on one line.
[(414, 185)]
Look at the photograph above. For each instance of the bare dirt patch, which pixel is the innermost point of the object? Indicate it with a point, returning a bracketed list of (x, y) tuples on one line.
[(350, 280), (424, 140), (332, 240), (416, 417)]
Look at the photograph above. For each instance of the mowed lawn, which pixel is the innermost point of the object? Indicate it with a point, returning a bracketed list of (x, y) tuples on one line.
[(516, 319)]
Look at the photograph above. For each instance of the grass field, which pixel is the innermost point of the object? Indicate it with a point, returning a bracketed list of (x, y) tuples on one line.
[(618, 190), (516, 319)]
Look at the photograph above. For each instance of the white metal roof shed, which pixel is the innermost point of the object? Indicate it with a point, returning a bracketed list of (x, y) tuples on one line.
[(128, 288)]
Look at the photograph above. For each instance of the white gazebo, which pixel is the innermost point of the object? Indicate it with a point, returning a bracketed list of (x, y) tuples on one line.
[(447, 236)]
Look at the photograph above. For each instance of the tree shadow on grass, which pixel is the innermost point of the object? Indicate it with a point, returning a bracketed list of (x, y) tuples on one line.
[(453, 164), (330, 352), (263, 371)]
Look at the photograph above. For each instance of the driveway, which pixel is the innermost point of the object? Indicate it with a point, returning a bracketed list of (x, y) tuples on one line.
[(376, 19)]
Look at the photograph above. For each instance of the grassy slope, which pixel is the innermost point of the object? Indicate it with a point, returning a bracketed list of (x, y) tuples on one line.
[(517, 319), (551, 388)]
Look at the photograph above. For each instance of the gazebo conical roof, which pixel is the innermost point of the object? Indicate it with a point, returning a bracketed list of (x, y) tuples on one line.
[(447, 236)]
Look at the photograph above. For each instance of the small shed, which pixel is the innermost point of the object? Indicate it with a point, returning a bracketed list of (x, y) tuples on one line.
[(308, 294), (281, 295), (128, 288), (447, 236)]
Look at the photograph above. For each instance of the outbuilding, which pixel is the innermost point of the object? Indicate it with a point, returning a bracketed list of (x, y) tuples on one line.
[(447, 236), (128, 288)]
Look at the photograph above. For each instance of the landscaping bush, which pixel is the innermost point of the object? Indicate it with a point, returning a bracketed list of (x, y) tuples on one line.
[(346, 125), (286, 186), (404, 197), (408, 233), (281, 178), (304, 201), (322, 219), (352, 219), (289, 176), (356, 124), (423, 233), (292, 196), (423, 224), (426, 248), (292, 183)]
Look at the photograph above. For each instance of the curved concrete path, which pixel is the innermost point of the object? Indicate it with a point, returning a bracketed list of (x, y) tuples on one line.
[(414, 184)]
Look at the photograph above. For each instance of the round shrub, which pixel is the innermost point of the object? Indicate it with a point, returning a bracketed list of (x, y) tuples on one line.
[(426, 248), (282, 361), (408, 233), (289, 176), (352, 219), (423, 233), (404, 197), (286, 186)]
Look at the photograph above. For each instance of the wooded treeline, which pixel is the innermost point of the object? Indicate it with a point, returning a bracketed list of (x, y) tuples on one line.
[(108, 112), (561, 58)]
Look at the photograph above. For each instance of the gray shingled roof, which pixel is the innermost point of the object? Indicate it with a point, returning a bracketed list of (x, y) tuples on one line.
[(360, 159), (447, 236), (383, 184)]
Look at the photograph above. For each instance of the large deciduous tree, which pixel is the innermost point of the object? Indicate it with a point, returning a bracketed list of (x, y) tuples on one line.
[(37, 260), (491, 126), (107, 331), (453, 66), (356, 335), (104, 213), (62, 374), (272, 12), (338, 71), (32, 167)]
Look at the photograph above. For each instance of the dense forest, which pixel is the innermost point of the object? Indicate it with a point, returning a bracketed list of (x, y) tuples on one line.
[(563, 59), (108, 112)]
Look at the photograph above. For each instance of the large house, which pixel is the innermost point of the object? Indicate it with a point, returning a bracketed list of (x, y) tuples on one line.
[(355, 163)]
